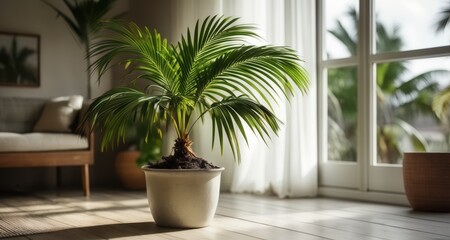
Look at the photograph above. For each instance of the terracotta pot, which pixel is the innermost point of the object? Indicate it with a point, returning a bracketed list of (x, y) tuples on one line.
[(183, 198), (130, 175), (426, 177)]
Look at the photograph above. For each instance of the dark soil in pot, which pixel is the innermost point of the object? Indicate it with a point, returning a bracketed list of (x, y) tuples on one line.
[(182, 158)]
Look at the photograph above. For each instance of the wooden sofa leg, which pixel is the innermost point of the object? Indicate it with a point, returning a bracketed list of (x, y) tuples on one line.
[(58, 178), (85, 180)]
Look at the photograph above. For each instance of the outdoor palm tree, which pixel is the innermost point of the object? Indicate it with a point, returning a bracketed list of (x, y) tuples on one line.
[(441, 103), (397, 98), (210, 72)]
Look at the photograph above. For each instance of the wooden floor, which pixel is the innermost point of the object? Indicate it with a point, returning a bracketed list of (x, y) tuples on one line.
[(125, 215)]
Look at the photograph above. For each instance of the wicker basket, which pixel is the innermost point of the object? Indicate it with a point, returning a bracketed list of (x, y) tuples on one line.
[(426, 176)]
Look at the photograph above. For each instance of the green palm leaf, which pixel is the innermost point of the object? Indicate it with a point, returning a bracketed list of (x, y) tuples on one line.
[(113, 111), (147, 49), (234, 113)]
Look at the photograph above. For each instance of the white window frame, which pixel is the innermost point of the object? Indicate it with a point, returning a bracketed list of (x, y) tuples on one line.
[(365, 62)]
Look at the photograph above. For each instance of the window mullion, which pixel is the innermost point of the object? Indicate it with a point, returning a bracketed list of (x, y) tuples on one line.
[(366, 102), (321, 85)]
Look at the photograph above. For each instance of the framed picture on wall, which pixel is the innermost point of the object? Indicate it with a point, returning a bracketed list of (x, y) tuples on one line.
[(19, 59)]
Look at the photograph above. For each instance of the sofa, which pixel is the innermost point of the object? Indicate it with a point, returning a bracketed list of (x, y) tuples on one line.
[(37, 132)]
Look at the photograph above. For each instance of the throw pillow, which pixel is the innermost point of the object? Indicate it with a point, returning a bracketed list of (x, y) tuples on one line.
[(58, 114)]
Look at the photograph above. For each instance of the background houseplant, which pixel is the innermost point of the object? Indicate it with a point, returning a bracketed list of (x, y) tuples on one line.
[(139, 150), (210, 72), (84, 21)]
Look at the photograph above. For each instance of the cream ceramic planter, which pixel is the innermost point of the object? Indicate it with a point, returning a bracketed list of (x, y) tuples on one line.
[(183, 198)]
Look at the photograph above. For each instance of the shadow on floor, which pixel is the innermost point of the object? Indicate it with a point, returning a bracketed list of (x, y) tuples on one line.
[(109, 231)]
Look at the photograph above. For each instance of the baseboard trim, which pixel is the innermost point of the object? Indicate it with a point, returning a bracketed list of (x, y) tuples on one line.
[(380, 197)]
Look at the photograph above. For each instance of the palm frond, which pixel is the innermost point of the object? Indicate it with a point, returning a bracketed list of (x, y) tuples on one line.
[(229, 115), (343, 35), (417, 140), (263, 70), (214, 37), (388, 41), (85, 16), (71, 23), (389, 74), (113, 111), (151, 53), (426, 80)]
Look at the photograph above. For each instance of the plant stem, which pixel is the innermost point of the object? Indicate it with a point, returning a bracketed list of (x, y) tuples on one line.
[(182, 148), (88, 70)]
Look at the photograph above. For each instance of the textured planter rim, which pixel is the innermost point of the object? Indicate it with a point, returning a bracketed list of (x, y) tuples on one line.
[(427, 153), (426, 177), (183, 198)]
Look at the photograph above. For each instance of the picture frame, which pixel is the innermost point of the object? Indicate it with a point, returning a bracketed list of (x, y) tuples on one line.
[(19, 59)]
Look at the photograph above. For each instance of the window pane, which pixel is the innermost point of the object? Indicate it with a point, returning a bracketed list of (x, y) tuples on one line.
[(409, 24), (342, 113), (341, 28), (405, 119)]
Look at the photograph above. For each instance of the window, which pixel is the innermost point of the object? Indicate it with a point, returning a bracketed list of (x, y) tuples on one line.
[(380, 64)]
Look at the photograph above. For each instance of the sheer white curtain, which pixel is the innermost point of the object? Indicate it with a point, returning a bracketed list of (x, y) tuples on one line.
[(288, 165)]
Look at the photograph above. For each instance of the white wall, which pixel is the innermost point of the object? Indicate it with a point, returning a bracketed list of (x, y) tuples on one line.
[(172, 17), (62, 65)]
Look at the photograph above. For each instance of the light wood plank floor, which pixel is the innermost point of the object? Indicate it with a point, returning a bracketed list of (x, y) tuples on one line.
[(125, 215)]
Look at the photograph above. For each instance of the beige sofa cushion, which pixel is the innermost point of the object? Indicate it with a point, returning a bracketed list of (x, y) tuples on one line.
[(59, 114), (14, 142), (20, 114)]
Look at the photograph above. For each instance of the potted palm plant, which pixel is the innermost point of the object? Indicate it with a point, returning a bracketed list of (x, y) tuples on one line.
[(211, 72)]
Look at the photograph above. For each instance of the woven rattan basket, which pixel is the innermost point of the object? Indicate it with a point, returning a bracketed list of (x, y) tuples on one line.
[(426, 177)]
